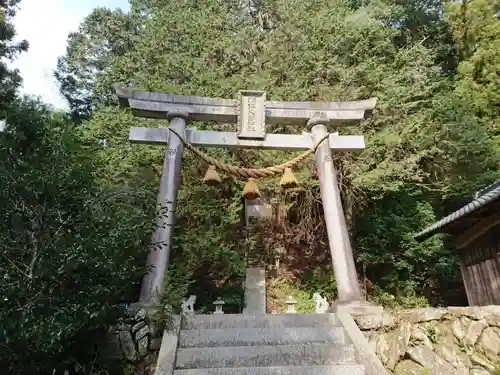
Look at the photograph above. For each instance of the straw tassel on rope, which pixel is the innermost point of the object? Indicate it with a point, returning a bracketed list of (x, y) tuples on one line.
[(251, 190), (211, 176), (288, 180)]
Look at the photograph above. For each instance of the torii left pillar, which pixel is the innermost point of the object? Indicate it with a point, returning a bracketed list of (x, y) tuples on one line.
[(161, 242)]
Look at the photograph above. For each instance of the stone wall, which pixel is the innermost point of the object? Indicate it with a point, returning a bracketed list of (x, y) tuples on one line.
[(444, 341)]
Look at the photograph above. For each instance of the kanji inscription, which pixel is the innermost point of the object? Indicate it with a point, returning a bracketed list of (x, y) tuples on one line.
[(252, 115)]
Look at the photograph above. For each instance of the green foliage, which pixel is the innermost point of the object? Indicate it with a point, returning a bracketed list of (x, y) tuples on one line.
[(476, 30), (72, 250), (407, 300), (278, 291), (426, 269), (9, 49), (320, 280), (433, 334), (104, 36)]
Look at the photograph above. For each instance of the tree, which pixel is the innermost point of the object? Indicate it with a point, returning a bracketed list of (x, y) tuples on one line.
[(409, 269), (423, 21), (103, 36), (476, 29), (9, 79), (72, 249)]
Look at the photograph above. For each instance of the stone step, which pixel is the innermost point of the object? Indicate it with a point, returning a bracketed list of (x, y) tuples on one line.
[(257, 272), (291, 370), (265, 356), (227, 321), (260, 336)]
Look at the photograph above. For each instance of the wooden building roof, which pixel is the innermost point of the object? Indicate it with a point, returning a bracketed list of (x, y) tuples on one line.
[(486, 202)]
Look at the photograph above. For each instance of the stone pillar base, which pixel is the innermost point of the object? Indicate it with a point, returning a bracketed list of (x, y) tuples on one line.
[(356, 308), (255, 291), (135, 307), (148, 313)]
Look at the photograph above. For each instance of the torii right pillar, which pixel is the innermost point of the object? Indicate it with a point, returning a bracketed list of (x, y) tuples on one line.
[(349, 294)]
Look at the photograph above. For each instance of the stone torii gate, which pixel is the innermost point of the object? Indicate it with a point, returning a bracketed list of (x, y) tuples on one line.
[(251, 112)]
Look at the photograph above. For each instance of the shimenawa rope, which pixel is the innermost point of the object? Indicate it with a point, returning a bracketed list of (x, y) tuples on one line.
[(250, 172)]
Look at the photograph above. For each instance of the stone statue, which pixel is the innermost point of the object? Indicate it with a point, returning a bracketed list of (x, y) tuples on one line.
[(321, 303), (188, 305)]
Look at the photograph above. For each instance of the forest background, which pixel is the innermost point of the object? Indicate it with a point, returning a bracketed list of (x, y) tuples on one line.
[(78, 200)]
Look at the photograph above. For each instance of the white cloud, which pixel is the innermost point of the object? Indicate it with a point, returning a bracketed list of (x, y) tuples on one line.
[(46, 25)]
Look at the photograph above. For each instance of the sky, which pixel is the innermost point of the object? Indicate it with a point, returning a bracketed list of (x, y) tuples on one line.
[(46, 25)]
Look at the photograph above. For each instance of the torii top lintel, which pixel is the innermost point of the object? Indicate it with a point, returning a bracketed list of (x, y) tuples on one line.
[(158, 105)]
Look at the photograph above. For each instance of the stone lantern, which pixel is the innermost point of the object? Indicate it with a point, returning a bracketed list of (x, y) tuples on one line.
[(219, 302)]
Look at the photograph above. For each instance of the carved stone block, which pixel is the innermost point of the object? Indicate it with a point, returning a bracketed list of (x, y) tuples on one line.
[(252, 117)]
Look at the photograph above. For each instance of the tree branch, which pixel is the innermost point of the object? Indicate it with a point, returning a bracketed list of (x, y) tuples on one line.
[(15, 266)]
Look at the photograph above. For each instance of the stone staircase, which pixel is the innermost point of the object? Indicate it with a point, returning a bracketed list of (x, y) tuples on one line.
[(265, 344)]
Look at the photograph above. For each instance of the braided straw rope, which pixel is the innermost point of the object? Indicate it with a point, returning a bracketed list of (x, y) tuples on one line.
[(250, 172)]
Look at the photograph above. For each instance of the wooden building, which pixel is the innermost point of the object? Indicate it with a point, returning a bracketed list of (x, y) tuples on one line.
[(475, 229)]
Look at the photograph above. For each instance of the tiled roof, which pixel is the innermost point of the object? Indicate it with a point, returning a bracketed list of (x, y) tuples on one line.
[(482, 198)]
